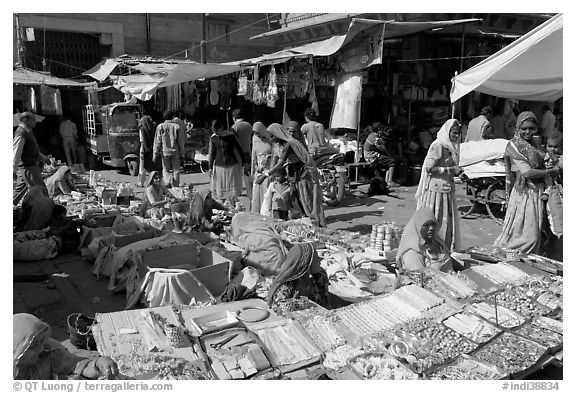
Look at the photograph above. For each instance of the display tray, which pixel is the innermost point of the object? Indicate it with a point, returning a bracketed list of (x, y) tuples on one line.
[(553, 341), (513, 354), (379, 366), (507, 319), (483, 333), (241, 354), (466, 367)]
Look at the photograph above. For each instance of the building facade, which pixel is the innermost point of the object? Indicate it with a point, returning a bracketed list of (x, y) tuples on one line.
[(68, 44)]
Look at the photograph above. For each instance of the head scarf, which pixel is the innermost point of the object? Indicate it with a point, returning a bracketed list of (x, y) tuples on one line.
[(280, 132), (147, 127), (58, 176), (198, 207), (412, 237), (297, 264), (442, 139), (520, 149), (25, 329), (293, 124), (260, 129), (150, 178)]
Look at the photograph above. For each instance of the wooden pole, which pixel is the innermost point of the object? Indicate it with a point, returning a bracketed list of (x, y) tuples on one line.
[(357, 155), (454, 103)]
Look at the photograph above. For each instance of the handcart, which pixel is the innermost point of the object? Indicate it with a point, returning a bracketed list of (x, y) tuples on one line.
[(485, 176)]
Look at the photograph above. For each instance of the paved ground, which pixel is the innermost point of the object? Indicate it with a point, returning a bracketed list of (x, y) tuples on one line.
[(54, 289)]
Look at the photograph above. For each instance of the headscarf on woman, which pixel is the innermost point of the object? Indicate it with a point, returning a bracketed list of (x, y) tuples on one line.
[(145, 205), (26, 327), (260, 129), (296, 265), (297, 132), (147, 127), (412, 236), (198, 208), (524, 150), (37, 209), (59, 177), (280, 132), (443, 139)]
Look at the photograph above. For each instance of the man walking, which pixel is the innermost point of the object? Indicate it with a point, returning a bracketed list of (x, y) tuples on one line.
[(26, 158), (69, 134), (169, 144), (243, 131), (479, 128)]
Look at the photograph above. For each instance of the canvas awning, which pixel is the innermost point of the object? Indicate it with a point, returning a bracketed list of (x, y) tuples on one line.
[(156, 75), (24, 76), (527, 69), (358, 27)]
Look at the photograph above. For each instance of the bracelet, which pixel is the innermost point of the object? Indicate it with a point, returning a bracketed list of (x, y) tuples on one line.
[(266, 314)]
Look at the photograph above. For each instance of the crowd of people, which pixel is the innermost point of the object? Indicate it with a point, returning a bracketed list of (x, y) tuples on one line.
[(275, 165)]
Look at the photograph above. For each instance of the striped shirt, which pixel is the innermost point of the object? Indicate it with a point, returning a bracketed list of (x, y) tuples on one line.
[(68, 130)]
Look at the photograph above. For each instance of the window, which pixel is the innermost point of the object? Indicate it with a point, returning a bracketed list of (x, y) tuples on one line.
[(217, 30)]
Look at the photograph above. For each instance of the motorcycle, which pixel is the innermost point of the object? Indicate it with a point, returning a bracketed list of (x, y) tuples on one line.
[(333, 177)]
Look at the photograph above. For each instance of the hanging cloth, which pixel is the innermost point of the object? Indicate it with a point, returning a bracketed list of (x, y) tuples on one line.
[(272, 92), (50, 100), (30, 100), (312, 98), (214, 92)]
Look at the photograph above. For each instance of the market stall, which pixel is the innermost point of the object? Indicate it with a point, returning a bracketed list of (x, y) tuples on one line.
[(436, 326)]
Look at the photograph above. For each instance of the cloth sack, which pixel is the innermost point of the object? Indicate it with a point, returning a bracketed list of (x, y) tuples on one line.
[(35, 250)]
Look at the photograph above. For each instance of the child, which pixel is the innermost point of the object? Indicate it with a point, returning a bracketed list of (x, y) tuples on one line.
[(280, 197), (553, 158)]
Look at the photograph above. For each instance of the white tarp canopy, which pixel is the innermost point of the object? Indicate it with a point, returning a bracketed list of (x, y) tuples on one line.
[(157, 75), (24, 76), (357, 28), (527, 69)]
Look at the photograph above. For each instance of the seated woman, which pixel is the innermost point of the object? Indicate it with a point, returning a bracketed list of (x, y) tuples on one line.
[(300, 275), (37, 210), (38, 356), (200, 214), (421, 246), (156, 196), (60, 183)]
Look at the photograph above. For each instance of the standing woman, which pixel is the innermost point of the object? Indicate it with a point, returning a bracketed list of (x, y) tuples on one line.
[(525, 212), (436, 188), (225, 163), (301, 171), (261, 161)]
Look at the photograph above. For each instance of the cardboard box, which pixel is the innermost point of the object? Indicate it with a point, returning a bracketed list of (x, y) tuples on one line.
[(209, 271)]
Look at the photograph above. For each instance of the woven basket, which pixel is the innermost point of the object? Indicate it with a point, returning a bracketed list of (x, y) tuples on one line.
[(80, 329)]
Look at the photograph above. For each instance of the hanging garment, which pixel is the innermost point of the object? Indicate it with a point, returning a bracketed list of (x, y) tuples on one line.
[(30, 100), (48, 102), (214, 92), (346, 109), (242, 85), (312, 99), (272, 91)]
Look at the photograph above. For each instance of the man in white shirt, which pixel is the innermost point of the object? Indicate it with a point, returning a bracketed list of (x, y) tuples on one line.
[(548, 123), (479, 128)]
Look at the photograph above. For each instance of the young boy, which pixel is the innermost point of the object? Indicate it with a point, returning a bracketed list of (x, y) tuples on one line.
[(280, 197), (553, 158)]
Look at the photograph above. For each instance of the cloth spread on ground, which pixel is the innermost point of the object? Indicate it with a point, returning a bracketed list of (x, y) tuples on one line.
[(263, 245)]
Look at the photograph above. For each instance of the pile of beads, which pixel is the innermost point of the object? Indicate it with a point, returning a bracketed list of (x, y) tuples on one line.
[(510, 353)]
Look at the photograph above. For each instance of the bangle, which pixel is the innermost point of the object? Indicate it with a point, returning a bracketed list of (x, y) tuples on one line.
[(265, 314)]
